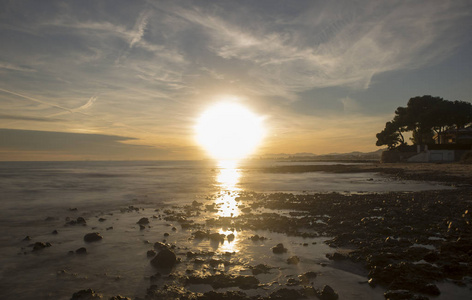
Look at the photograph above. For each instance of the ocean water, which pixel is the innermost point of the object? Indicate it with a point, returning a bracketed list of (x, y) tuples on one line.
[(34, 190), (38, 197)]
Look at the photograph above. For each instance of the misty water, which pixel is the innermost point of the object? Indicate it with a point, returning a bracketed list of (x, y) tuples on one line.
[(32, 192)]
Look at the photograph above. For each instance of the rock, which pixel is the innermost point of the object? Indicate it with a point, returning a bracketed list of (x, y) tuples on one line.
[(218, 237), (164, 259), (50, 219), (200, 234), (54, 232), (81, 251), (285, 293), (88, 294), (166, 234), (256, 238), (327, 293), (260, 268), (92, 237), (402, 295), (143, 221), (431, 289), (293, 282), (196, 204), (310, 274), (336, 256), (81, 220), (118, 297), (110, 228), (160, 246), (27, 238), (73, 209), (142, 227), (102, 220), (219, 281), (40, 245), (279, 249), (294, 260), (151, 253), (230, 237)]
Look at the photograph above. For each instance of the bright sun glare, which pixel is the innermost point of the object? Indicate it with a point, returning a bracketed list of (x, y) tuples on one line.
[(229, 131)]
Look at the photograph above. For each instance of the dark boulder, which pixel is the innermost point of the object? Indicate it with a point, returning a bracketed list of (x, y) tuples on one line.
[(327, 293), (164, 259), (40, 245), (279, 249), (81, 251), (151, 253), (143, 221), (402, 295), (294, 260), (88, 294), (92, 237)]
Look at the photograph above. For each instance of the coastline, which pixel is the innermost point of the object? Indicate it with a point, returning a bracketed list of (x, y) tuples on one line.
[(359, 245)]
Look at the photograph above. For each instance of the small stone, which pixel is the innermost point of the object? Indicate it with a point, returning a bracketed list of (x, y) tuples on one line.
[(54, 232), (81, 251), (118, 297), (151, 253), (166, 234), (142, 227), (327, 293), (27, 238), (88, 294), (92, 237), (102, 220), (40, 245), (81, 220), (164, 259), (143, 221), (279, 249), (294, 260)]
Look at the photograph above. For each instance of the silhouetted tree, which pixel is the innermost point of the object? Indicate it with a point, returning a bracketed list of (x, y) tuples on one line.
[(424, 116), (390, 136)]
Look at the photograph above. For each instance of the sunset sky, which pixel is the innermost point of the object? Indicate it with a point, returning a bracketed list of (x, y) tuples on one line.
[(129, 79)]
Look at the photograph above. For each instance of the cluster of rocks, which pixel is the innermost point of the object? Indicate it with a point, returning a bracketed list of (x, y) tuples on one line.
[(406, 241)]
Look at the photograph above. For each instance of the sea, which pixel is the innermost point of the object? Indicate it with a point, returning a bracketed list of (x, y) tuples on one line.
[(37, 198)]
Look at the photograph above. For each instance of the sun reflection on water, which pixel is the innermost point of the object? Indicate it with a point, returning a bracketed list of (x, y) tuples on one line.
[(227, 180)]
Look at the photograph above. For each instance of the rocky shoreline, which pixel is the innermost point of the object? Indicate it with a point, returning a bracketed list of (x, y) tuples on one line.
[(407, 242), (403, 243)]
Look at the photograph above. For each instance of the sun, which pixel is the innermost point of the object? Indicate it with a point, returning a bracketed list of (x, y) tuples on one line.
[(229, 131)]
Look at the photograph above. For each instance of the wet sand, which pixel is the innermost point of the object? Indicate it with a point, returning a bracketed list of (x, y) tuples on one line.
[(226, 245)]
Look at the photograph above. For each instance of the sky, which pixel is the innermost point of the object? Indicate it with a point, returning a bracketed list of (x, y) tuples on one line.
[(128, 80)]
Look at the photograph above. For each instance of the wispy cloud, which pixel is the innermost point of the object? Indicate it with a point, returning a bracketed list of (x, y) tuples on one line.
[(379, 38), (139, 27), (26, 118), (13, 67), (78, 109)]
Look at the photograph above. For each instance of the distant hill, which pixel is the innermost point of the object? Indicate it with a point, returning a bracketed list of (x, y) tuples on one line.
[(351, 156)]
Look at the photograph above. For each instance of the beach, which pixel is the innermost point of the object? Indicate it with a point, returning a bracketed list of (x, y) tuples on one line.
[(257, 232)]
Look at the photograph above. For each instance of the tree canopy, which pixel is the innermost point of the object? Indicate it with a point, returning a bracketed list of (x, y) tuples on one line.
[(425, 116)]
